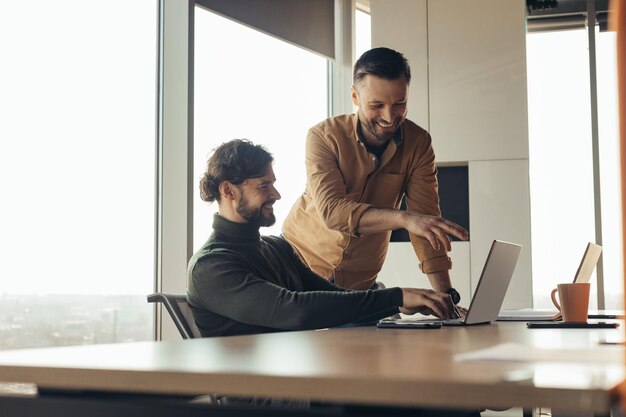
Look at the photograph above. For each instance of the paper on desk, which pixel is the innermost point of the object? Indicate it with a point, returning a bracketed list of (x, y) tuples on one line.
[(513, 352)]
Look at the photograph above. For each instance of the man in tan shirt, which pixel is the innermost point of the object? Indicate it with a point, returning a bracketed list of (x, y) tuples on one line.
[(359, 166)]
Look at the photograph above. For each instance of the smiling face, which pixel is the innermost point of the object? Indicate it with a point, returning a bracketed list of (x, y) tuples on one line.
[(382, 107), (255, 199)]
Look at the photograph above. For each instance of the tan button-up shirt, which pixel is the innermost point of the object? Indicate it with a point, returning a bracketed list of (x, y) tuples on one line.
[(344, 180)]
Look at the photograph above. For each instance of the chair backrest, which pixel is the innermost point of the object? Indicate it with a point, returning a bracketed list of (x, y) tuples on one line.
[(178, 308)]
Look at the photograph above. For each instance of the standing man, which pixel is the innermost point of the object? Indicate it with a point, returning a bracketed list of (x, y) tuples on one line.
[(240, 282), (359, 166)]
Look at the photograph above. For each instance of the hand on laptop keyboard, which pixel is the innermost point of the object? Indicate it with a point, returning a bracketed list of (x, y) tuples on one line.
[(428, 302)]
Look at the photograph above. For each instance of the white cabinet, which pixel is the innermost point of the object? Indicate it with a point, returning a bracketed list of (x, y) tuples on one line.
[(468, 60), (500, 209), (401, 268), (477, 79)]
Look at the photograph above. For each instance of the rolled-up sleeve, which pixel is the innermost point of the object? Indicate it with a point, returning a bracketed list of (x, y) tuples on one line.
[(328, 188), (441, 263)]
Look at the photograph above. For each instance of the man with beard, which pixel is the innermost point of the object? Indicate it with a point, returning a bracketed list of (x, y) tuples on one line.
[(240, 282), (359, 166)]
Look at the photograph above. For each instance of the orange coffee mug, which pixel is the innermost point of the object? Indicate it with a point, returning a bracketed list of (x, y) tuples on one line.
[(574, 299)]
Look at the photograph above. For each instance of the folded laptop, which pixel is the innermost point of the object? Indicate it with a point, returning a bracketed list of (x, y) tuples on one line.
[(490, 291), (583, 274)]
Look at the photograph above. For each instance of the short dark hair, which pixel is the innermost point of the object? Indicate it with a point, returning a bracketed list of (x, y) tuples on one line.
[(381, 62), (234, 161)]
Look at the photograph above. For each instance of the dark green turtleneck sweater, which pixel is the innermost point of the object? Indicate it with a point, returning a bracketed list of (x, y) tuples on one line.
[(240, 282)]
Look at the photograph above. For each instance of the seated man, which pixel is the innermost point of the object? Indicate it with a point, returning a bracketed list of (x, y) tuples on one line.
[(240, 282)]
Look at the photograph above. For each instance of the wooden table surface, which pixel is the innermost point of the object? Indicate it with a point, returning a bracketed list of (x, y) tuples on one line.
[(361, 365)]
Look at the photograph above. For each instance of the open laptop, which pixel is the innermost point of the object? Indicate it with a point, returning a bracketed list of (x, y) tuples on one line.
[(490, 291), (583, 274)]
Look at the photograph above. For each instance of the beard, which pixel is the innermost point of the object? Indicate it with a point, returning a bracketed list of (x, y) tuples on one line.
[(374, 129), (254, 215)]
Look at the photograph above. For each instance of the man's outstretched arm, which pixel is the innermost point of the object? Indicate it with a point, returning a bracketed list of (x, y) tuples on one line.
[(433, 228)]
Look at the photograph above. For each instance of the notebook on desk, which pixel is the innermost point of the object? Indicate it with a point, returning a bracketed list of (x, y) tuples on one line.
[(490, 291), (583, 274)]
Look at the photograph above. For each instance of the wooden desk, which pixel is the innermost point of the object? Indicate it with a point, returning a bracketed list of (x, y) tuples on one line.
[(355, 365)]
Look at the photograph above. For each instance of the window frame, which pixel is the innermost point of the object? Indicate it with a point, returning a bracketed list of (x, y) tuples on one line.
[(175, 142)]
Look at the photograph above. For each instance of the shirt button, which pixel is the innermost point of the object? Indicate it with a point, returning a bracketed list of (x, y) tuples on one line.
[(347, 252), (373, 158)]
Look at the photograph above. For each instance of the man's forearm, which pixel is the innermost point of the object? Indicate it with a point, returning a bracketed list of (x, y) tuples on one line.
[(380, 220), (440, 281)]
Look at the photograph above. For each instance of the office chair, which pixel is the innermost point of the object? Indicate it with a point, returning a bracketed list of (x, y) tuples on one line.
[(180, 312)]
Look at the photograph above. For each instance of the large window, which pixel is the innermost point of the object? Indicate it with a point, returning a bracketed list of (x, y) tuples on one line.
[(561, 163), (251, 85), (77, 173)]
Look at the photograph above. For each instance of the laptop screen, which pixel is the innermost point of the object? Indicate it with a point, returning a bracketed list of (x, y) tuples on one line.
[(588, 262)]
